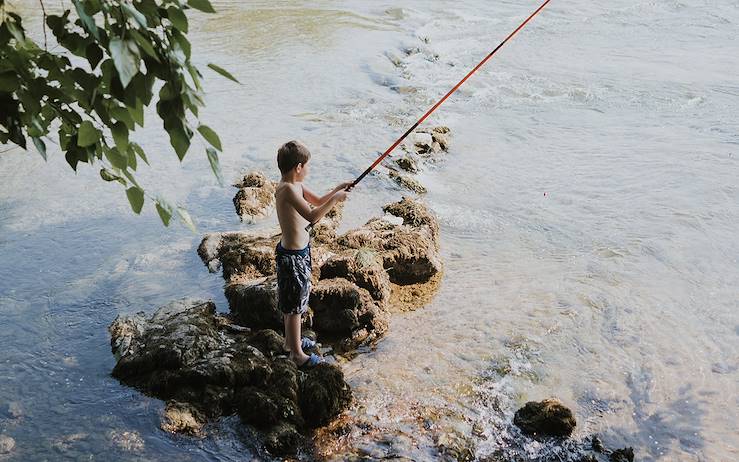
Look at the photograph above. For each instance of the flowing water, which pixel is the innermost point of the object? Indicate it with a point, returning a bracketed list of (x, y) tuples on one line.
[(589, 208)]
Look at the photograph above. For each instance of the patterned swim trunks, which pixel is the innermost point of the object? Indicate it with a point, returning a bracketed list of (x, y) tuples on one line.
[(293, 279)]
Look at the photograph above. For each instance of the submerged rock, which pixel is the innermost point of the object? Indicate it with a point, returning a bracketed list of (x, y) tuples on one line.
[(429, 141), (407, 163), (622, 455), (7, 444), (545, 418), (407, 182), (187, 354), (182, 418), (255, 197)]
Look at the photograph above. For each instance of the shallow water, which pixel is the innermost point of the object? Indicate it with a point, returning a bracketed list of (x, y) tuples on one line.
[(588, 208)]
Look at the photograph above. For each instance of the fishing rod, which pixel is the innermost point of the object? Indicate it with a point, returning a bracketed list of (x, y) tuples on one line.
[(433, 108)]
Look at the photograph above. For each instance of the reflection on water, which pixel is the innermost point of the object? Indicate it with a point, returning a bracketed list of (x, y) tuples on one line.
[(588, 204)]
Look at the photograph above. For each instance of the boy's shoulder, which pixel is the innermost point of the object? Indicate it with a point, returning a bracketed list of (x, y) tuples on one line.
[(284, 188)]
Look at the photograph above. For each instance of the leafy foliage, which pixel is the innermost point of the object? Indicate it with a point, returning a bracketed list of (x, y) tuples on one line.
[(122, 51)]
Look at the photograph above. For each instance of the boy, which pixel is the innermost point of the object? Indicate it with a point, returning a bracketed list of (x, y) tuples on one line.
[(292, 254)]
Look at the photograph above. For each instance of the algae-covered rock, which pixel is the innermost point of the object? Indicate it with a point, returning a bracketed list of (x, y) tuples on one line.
[(414, 214), (545, 418), (323, 395), (407, 182), (622, 455), (193, 357), (7, 444), (240, 254), (253, 302), (407, 163), (341, 307), (363, 267), (256, 196), (182, 418)]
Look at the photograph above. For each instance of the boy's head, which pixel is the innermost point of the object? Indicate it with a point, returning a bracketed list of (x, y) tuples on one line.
[(293, 155)]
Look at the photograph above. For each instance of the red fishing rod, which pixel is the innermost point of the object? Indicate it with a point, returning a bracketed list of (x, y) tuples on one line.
[(433, 108)]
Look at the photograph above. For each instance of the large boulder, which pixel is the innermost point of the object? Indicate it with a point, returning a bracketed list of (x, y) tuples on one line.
[(341, 309), (545, 418), (240, 254), (205, 367), (256, 196), (253, 302), (362, 267)]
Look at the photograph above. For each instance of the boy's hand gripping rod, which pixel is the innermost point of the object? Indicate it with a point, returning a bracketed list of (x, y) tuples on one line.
[(433, 108)]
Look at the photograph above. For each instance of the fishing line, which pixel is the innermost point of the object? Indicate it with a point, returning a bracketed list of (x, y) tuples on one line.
[(433, 108)]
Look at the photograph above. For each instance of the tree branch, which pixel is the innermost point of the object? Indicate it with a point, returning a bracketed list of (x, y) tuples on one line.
[(43, 9)]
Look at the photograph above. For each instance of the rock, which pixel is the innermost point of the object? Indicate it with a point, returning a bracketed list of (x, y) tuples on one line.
[(407, 163), (325, 230), (283, 439), (255, 197), (183, 355), (323, 394), (129, 441), (209, 249), (7, 444), (545, 418), (363, 267), (182, 418), (407, 182), (341, 307), (622, 455), (240, 254), (422, 142), (191, 356), (597, 445), (414, 214), (12, 410), (409, 255), (254, 303)]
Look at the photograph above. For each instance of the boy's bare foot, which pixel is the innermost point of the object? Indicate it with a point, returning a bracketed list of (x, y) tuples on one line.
[(305, 344)]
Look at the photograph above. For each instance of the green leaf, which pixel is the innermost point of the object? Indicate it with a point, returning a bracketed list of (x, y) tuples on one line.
[(202, 5), (122, 114), (210, 136), (9, 81), (180, 141), (214, 164), (135, 198), (140, 151), (126, 59), (134, 14), (87, 21), (185, 217), (223, 72), (165, 211), (116, 159), (120, 136), (144, 44), (178, 18), (137, 112), (40, 145), (87, 134)]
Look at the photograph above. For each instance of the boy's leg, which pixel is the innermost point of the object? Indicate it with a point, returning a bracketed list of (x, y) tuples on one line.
[(292, 337)]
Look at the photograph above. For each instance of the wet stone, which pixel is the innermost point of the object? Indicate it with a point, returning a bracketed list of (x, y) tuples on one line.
[(545, 418), (186, 353), (7, 444), (622, 455), (407, 182), (256, 196)]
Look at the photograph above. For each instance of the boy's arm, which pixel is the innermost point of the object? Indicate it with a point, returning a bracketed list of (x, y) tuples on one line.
[(313, 199), (315, 214)]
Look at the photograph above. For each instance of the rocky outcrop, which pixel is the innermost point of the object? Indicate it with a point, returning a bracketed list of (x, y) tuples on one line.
[(365, 266), (545, 418), (204, 366), (255, 198), (407, 182)]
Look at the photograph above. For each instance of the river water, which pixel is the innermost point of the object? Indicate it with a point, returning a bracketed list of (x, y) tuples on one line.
[(589, 208)]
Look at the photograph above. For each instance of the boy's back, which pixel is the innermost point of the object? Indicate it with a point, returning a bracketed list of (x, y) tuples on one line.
[(294, 235)]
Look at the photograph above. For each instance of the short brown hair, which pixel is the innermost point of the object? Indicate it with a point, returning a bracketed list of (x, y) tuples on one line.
[(291, 154)]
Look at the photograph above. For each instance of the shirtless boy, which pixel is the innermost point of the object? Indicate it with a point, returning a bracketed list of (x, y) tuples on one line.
[(294, 211)]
